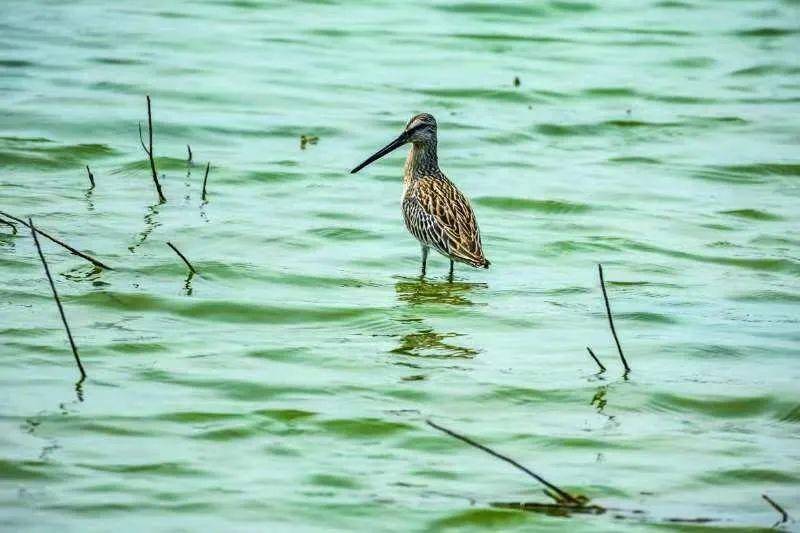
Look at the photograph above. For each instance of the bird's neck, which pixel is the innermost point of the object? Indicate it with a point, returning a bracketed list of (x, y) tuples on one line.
[(421, 160)]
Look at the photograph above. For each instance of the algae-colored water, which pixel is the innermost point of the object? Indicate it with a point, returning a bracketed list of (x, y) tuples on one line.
[(285, 386)]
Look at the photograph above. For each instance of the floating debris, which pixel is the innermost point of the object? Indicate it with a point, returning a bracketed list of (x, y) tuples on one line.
[(305, 140)]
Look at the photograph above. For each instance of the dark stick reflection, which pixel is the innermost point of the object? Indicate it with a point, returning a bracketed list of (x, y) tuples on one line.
[(150, 223)]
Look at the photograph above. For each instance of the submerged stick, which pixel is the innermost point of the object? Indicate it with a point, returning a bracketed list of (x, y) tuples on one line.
[(149, 151), (205, 180), (781, 510), (189, 149), (188, 264), (562, 496), (596, 360), (34, 231), (611, 320), (72, 250), (91, 176)]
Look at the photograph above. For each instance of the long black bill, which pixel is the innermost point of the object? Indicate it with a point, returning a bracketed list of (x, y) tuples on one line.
[(394, 145)]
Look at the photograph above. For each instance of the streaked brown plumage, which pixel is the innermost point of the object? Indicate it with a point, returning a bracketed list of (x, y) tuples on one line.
[(435, 212)]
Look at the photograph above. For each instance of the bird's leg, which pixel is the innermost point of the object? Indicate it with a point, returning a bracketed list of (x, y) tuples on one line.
[(450, 276), (424, 259)]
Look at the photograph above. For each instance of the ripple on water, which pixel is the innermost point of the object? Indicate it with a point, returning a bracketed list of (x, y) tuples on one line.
[(766, 70), (751, 214), (530, 204), (507, 37), (766, 32), (599, 128), (345, 234), (737, 476), (168, 469), (635, 159), (334, 481), (219, 310), (41, 153), (747, 174), (503, 95), (142, 164), (753, 263), (492, 8), (16, 63), (769, 296), (480, 518), (27, 470), (233, 389), (363, 428), (718, 406)]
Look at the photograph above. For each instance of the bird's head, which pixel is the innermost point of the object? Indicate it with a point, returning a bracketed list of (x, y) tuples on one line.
[(421, 129)]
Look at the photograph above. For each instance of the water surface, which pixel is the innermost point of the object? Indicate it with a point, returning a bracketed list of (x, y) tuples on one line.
[(286, 385)]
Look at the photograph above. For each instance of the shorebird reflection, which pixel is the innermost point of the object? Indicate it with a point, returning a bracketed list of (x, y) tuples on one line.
[(424, 340), (420, 291)]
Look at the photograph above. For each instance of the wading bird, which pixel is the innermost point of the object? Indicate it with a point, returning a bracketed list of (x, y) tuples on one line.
[(436, 213)]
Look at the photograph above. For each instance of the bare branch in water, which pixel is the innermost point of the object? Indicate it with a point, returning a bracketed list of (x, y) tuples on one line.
[(149, 151), (560, 496), (72, 250), (596, 360), (205, 180), (34, 231), (611, 320), (10, 225), (188, 264), (91, 176), (141, 140), (781, 510)]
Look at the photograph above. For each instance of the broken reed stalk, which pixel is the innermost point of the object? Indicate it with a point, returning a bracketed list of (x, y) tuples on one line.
[(781, 510), (34, 231), (91, 176), (189, 149), (205, 180), (611, 320), (563, 496), (72, 250), (149, 151), (188, 264), (596, 360)]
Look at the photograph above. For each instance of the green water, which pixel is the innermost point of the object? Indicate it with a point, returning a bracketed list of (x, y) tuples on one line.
[(286, 385)]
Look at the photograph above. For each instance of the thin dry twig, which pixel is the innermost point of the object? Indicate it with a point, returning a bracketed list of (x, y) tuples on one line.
[(596, 360), (149, 151), (91, 176), (72, 250), (777, 507), (34, 231), (188, 264), (559, 495), (611, 320), (205, 180), (189, 149)]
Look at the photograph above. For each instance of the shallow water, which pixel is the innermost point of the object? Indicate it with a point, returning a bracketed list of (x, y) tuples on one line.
[(286, 385)]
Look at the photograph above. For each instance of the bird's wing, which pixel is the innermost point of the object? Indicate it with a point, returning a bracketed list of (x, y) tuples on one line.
[(445, 220)]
